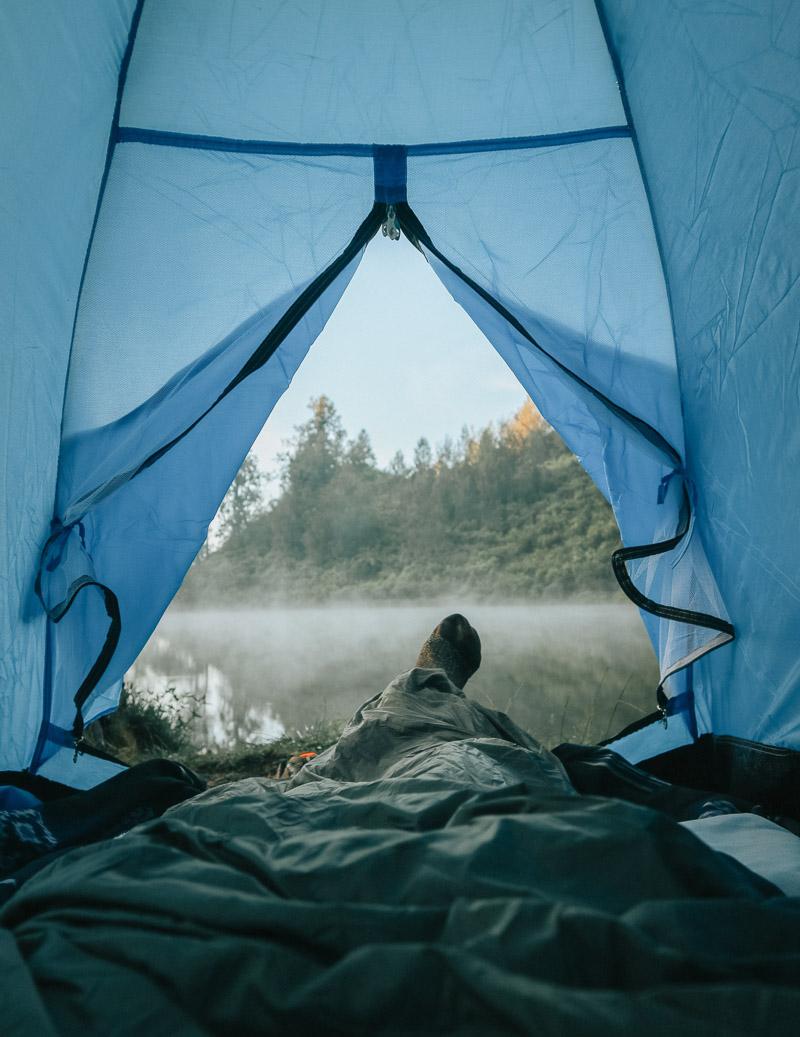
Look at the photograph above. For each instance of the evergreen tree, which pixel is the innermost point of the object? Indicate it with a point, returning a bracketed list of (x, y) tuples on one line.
[(397, 465), (243, 501), (316, 451), (359, 452), (423, 455)]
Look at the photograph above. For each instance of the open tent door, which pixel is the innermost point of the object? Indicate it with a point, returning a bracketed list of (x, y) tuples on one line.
[(243, 180), (136, 494), (577, 308)]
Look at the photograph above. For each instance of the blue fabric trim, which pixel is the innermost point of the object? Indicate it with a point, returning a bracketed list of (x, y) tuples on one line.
[(47, 700), (543, 140), (682, 703), (663, 486), (199, 142), (623, 93), (60, 736), (391, 173), (691, 713)]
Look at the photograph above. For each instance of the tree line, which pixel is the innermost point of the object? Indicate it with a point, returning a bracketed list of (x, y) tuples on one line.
[(505, 512)]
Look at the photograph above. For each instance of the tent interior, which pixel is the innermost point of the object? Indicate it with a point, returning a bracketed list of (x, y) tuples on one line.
[(610, 191)]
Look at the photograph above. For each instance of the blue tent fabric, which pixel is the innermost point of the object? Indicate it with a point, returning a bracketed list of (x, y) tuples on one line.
[(58, 81), (719, 148), (154, 522), (387, 72), (583, 180)]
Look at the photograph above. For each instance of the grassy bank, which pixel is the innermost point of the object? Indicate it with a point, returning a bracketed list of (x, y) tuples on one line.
[(144, 728)]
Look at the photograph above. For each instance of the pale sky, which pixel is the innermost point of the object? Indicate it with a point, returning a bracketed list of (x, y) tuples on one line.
[(399, 358)]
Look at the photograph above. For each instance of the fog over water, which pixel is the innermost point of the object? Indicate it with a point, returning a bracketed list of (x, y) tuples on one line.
[(564, 671)]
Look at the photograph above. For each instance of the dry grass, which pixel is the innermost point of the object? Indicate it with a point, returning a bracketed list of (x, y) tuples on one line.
[(144, 727)]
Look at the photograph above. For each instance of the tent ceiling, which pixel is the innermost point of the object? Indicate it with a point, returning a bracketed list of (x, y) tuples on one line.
[(397, 71)]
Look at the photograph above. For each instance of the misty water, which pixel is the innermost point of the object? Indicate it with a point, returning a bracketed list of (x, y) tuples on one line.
[(565, 672)]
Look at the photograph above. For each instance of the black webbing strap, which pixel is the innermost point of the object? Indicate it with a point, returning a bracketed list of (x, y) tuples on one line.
[(57, 612)]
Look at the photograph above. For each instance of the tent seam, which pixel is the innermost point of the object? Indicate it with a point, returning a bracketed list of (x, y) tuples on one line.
[(623, 94), (47, 691), (200, 142)]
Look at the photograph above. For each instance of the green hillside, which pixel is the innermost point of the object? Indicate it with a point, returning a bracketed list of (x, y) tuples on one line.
[(503, 513)]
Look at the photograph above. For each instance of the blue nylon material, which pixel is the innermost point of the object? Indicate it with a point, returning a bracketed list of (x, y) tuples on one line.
[(200, 142), (508, 121), (715, 97), (143, 534), (393, 72), (83, 773), (58, 79), (391, 174), (189, 245), (562, 238)]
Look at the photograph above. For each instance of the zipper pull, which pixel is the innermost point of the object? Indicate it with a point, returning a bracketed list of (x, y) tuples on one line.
[(390, 227)]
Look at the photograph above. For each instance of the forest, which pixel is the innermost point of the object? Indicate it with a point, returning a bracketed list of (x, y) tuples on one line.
[(502, 513)]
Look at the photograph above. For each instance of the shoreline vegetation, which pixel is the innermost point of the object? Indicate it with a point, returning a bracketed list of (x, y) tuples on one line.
[(504, 514), (143, 728)]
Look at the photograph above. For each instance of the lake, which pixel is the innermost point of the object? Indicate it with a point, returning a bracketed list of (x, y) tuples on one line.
[(565, 672)]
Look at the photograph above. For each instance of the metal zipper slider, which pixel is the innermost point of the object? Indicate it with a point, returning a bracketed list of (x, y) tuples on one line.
[(390, 227)]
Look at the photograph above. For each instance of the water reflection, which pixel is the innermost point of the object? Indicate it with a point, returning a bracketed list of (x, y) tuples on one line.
[(565, 672)]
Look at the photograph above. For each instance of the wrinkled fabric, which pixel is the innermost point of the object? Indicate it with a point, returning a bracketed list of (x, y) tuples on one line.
[(714, 93), (423, 726), (58, 78), (230, 191), (630, 254), (444, 879), (30, 836)]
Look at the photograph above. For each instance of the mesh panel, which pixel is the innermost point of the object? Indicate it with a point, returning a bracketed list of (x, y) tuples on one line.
[(562, 243), (395, 71)]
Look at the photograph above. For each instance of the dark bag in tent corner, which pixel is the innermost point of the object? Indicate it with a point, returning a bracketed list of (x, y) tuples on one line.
[(35, 830)]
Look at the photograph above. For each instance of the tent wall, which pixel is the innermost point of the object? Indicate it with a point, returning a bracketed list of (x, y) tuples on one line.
[(714, 92), (59, 67), (252, 153)]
